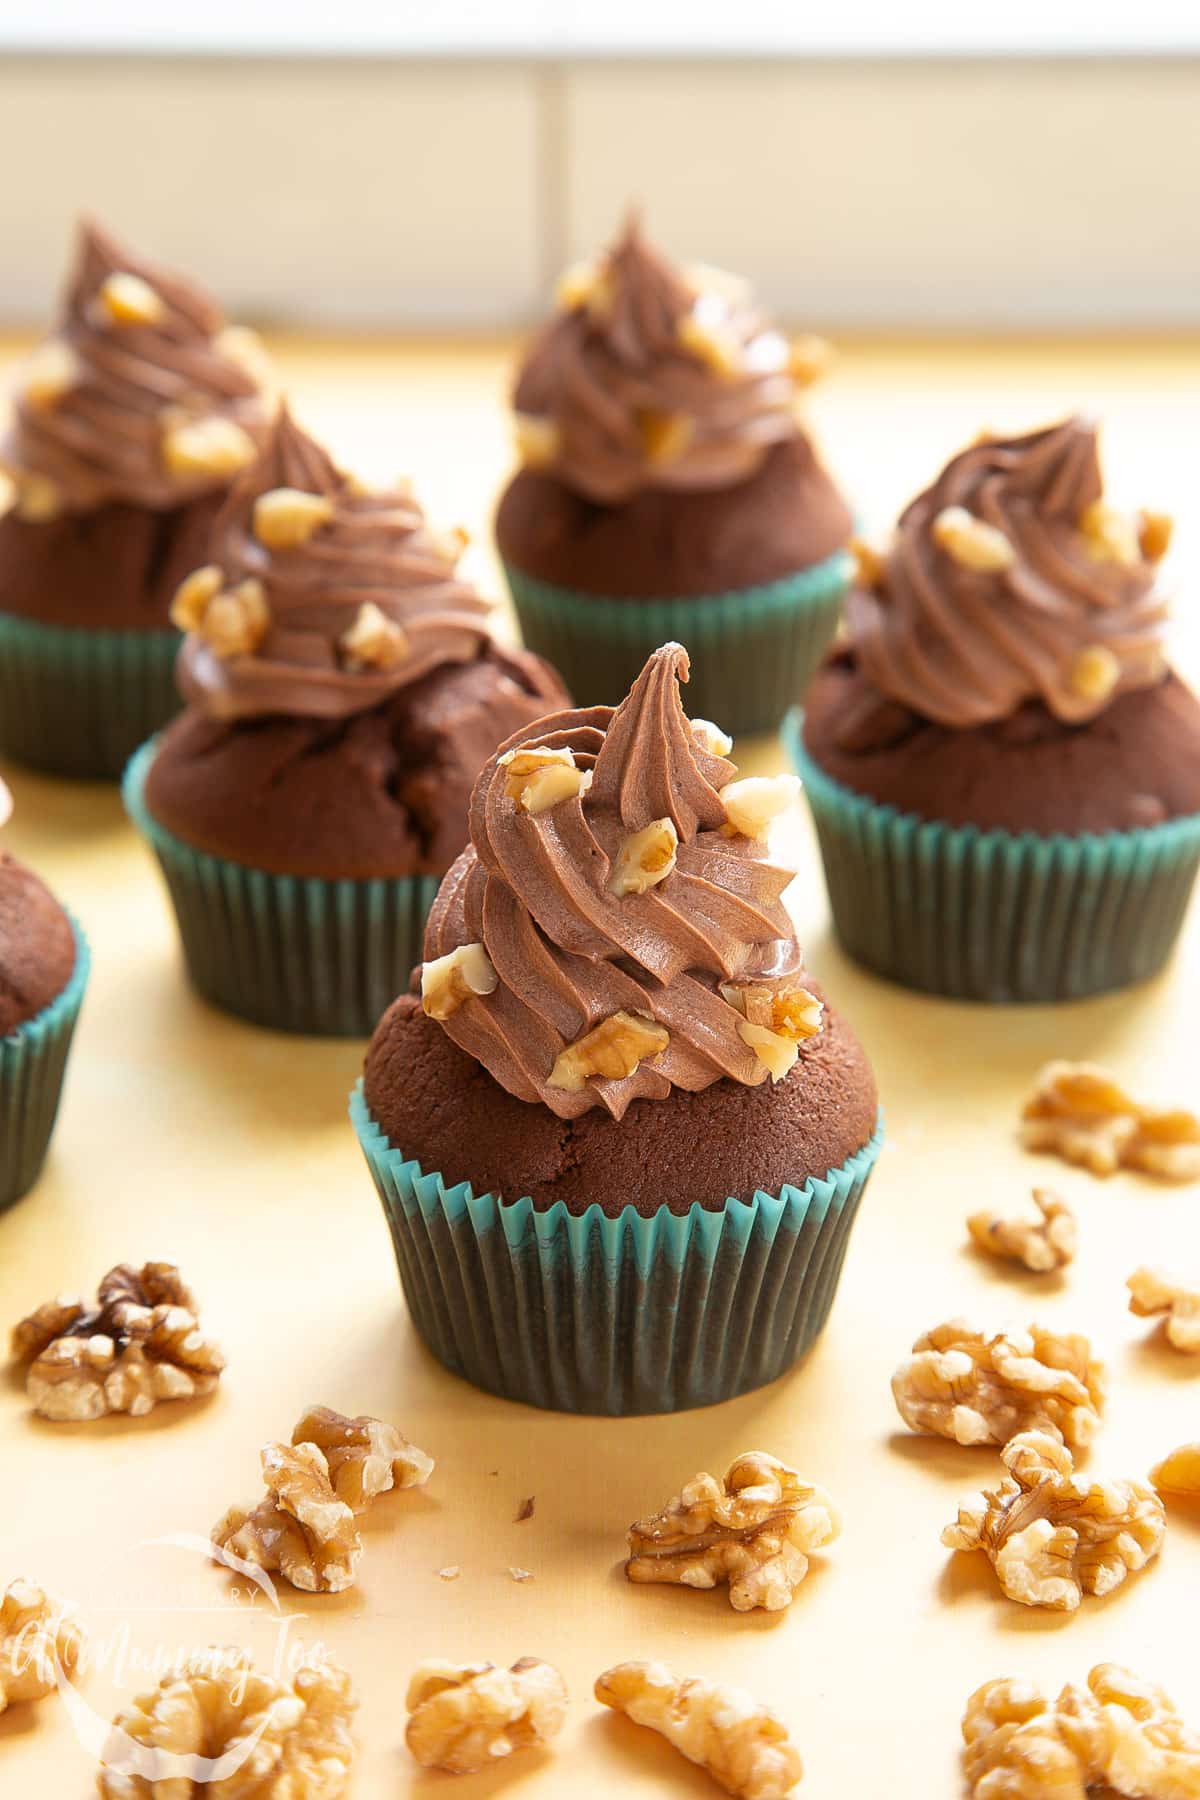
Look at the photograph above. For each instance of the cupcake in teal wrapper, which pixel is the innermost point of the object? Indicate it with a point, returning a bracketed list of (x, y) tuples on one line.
[(619, 1140), (43, 972), (1003, 769), (667, 491), (343, 691), (130, 423)]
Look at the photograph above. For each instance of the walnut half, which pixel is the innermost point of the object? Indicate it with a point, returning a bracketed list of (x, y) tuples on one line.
[(978, 1390), (1041, 1244), (467, 1716), (1079, 1112), (611, 1050), (36, 1641), (754, 1530), (1152, 1292), (366, 1457), (1053, 1536), (742, 1744), (300, 1529), (1178, 1474)]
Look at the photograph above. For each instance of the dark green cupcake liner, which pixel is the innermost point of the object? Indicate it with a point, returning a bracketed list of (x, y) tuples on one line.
[(592, 1314), (753, 649), (290, 952), (33, 1061), (79, 702), (993, 915)]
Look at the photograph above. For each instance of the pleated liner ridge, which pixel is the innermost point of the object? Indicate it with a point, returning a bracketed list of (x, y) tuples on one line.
[(289, 952), (992, 915), (591, 1314), (79, 702), (753, 650), (33, 1061)]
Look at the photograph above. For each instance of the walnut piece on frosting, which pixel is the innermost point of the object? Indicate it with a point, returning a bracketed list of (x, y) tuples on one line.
[(51, 371), (1154, 1293), (538, 440), (464, 1717), (754, 802), (231, 621), (753, 1531), (537, 777), (1094, 673), (36, 1641), (1053, 1536), (125, 299), (666, 436), (1179, 1473), (974, 1389), (645, 858), (300, 1529), (1155, 531), (1121, 1736), (1110, 535), (373, 641), (449, 980), (711, 738), (1079, 1112), (711, 342), (742, 1744), (775, 1021), (285, 518), (611, 1050), (210, 446), (1040, 1244), (972, 542), (365, 1457)]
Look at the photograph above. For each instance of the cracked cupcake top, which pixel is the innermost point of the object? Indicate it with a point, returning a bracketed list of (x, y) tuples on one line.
[(616, 927)]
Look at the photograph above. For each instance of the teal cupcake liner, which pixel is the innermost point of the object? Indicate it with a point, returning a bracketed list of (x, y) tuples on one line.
[(79, 702), (993, 915), (289, 952), (753, 650), (624, 1315), (33, 1061)]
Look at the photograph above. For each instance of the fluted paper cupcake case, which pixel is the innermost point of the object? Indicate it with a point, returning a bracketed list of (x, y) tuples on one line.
[(994, 915), (79, 702), (752, 649), (33, 1061), (593, 1314), (289, 952)]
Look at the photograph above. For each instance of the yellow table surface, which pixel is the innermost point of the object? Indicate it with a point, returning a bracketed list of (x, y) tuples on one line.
[(185, 1135)]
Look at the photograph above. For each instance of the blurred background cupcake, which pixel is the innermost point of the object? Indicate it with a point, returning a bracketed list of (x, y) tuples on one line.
[(1003, 769), (619, 1140), (667, 490), (129, 424), (343, 691), (43, 972)]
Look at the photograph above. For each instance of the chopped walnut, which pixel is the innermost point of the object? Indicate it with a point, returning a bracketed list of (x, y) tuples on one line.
[(869, 563), (756, 801), (244, 348), (140, 1343), (299, 1528), (1153, 1292), (712, 739), (575, 285), (466, 1716), (219, 1728), (1051, 1535), (645, 858), (1108, 534), (373, 641), (1155, 531), (449, 980), (38, 499), (232, 621), (665, 436), (366, 1457), (775, 1022), (972, 542), (809, 359), (36, 1641), (1179, 1473), (962, 1385), (1079, 1112), (540, 778), (125, 299), (1094, 673), (538, 440), (194, 595), (285, 518), (754, 1530), (711, 342), (1120, 1736), (52, 371), (212, 447), (611, 1050), (743, 1746), (1041, 1244)]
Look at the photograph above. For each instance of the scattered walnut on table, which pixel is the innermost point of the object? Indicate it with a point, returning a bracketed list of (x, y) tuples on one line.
[(300, 1528), (742, 1744), (1120, 1736), (1179, 1473), (466, 1716), (365, 1457), (36, 1641), (1053, 1536), (1080, 1113), (271, 1740), (962, 1385), (1152, 1292), (1041, 1244), (139, 1344), (754, 1530)]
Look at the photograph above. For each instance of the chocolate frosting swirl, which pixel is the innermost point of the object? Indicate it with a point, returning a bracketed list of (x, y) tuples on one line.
[(374, 550), (1073, 618), (534, 890), (95, 430), (649, 379)]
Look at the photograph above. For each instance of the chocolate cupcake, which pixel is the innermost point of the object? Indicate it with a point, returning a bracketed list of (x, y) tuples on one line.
[(43, 972), (129, 424), (669, 492), (1003, 769), (343, 691), (619, 1141)]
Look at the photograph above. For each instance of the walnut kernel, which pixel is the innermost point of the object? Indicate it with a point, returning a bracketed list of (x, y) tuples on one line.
[(1078, 1112), (775, 1022), (713, 740), (1109, 535), (1041, 1244), (741, 1744), (869, 563), (539, 778), (373, 641), (214, 446), (38, 499), (365, 1457), (645, 858), (962, 1385), (1179, 1473), (285, 518), (809, 359), (125, 299), (449, 980), (1155, 531), (665, 436), (300, 1528), (712, 344), (194, 596), (50, 372), (236, 620), (972, 542), (754, 1531), (756, 801), (538, 440), (611, 1050), (36, 1641), (1153, 1292), (466, 1716), (1094, 673)]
